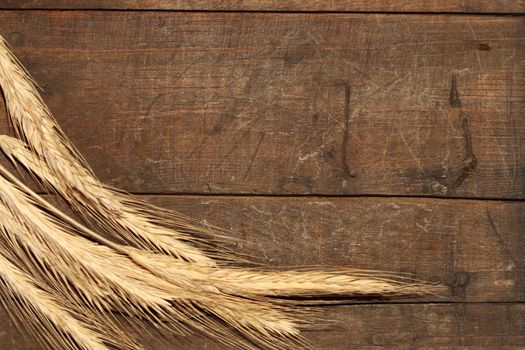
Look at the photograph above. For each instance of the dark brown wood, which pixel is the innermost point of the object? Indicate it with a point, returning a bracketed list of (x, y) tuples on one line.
[(163, 102), (425, 326), (410, 326), (315, 104), (477, 248), (462, 6)]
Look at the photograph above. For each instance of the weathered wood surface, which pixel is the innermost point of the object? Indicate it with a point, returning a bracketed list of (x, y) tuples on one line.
[(462, 6), (477, 248), (317, 104), (167, 102), (406, 326)]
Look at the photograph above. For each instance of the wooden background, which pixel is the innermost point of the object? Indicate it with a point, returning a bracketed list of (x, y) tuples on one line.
[(377, 134)]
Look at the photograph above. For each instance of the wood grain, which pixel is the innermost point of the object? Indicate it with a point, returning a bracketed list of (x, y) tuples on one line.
[(327, 104), (316, 104), (477, 248), (409, 326), (462, 6)]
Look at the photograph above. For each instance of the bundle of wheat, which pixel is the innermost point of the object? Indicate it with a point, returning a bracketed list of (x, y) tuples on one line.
[(163, 268)]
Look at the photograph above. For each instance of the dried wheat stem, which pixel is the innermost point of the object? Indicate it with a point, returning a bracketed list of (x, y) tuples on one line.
[(121, 215), (126, 279), (182, 284), (116, 211), (304, 283), (313, 283), (54, 324)]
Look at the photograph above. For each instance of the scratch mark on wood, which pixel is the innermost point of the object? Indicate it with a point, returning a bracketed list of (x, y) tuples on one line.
[(344, 146), (253, 156), (476, 39), (470, 161), (417, 160), (336, 54), (97, 129), (149, 110), (453, 98), (499, 238), (235, 146)]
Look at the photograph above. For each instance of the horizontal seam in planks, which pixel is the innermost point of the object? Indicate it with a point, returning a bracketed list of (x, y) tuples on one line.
[(363, 12), (394, 302), (292, 195)]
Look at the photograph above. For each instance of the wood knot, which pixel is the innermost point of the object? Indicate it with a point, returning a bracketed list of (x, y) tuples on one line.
[(483, 47)]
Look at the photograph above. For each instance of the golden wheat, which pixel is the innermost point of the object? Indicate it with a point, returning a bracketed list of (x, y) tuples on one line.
[(67, 173), (174, 278), (114, 277), (122, 215), (300, 283), (57, 324)]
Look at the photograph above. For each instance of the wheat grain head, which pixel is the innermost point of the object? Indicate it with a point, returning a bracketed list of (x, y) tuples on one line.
[(113, 277), (299, 283), (122, 215), (57, 324)]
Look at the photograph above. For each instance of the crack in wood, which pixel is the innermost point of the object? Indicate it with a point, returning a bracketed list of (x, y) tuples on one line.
[(499, 238), (344, 147), (453, 99), (470, 161)]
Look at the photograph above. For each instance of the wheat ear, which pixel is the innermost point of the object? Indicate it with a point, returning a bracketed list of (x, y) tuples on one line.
[(301, 283), (117, 212), (54, 323), (125, 279), (259, 322), (122, 215)]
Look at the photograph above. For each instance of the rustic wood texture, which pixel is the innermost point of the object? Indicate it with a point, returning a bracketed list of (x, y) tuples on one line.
[(324, 105), (332, 104), (461, 6), (406, 326), (477, 248)]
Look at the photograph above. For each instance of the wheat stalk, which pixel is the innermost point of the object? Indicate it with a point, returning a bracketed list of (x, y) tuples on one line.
[(171, 279), (63, 170), (30, 254), (115, 277), (56, 324), (122, 215), (227, 293), (303, 283)]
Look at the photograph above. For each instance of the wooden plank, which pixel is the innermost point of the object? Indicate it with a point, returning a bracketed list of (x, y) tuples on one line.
[(446, 326), (461, 6), (164, 102), (415, 326), (477, 248)]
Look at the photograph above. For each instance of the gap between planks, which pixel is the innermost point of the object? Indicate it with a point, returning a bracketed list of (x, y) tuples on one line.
[(291, 195), (275, 12)]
